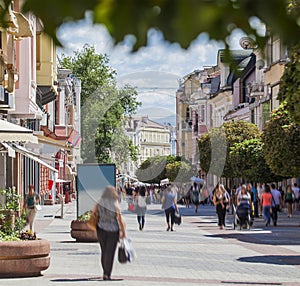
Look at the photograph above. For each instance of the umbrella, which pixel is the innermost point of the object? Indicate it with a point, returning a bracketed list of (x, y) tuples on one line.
[(197, 180)]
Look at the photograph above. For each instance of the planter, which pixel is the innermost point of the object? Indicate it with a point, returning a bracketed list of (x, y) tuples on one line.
[(25, 258), (82, 233)]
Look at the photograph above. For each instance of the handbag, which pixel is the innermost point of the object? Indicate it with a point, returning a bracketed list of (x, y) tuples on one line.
[(126, 252), (177, 218), (122, 253), (93, 220)]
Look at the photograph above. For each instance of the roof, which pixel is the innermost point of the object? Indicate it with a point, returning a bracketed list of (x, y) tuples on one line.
[(148, 123), (236, 55)]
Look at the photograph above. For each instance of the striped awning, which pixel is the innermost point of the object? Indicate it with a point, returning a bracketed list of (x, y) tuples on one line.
[(10, 132)]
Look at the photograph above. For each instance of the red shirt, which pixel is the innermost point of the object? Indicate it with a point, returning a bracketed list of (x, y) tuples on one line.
[(266, 199)]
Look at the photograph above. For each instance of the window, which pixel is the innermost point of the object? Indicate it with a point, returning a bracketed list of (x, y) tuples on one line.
[(265, 112), (38, 51), (187, 115)]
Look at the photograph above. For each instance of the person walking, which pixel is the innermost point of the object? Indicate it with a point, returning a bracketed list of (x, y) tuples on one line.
[(141, 207), (29, 205), (276, 203), (266, 202), (296, 191), (254, 198), (289, 199), (110, 228), (170, 206), (195, 196), (260, 190), (188, 197), (221, 200)]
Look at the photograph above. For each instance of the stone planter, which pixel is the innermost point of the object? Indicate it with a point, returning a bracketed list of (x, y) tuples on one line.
[(82, 233), (25, 258)]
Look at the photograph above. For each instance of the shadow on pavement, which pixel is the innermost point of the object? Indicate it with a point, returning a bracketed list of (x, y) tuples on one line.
[(83, 279), (257, 237), (273, 259)]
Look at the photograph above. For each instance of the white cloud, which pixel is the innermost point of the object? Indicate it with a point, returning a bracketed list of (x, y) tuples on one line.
[(154, 69)]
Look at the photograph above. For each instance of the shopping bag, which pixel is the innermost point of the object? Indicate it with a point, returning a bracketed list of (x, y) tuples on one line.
[(126, 252), (38, 207)]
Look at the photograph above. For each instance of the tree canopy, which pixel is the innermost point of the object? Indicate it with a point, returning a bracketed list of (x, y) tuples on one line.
[(215, 146), (157, 168), (103, 110), (179, 20), (281, 138), (248, 162), (290, 84), (91, 68)]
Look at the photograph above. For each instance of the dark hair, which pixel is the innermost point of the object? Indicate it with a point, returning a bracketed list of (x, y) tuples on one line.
[(273, 186), (267, 188), (142, 191)]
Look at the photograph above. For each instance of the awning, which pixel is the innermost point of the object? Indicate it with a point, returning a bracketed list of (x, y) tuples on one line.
[(32, 156), (47, 140), (11, 152), (10, 132), (45, 94), (74, 138)]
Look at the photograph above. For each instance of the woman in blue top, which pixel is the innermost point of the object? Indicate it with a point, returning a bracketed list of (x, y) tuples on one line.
[(30, 201), (170, 205)]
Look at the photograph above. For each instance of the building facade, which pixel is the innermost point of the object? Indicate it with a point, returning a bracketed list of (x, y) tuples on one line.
[(151, 138), (33, 150)]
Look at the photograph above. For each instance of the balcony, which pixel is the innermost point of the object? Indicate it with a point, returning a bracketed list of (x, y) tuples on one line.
[(255, 89)]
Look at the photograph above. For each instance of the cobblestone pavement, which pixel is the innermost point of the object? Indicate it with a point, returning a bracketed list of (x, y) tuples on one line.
[(197, 253)]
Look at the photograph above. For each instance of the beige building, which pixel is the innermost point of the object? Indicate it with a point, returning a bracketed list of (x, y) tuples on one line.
[(151, 138), (209, 97)]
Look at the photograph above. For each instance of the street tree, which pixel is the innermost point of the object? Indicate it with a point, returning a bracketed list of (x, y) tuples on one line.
[(289, 90), (214, 156), (281, 139), (179, 171), (157, 168), (91, 68), (248, 162), (104, 107)]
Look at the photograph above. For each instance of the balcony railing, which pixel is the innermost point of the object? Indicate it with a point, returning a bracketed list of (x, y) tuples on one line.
[(255, 89)]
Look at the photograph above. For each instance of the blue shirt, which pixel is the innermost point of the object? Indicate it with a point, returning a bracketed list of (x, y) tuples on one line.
[(254, 192), (169, 200)]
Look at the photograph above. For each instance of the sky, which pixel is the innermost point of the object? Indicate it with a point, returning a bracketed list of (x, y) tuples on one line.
[(154, 70)]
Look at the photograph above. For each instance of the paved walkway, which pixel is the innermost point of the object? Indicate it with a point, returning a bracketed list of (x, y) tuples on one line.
[(197, 253)]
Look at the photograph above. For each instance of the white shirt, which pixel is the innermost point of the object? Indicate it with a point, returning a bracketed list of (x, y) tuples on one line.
[(296, 191)]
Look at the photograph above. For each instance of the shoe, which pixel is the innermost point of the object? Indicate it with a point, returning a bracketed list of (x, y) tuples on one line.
[(106, 277), (140, 227), (172, 229), (168, 228)]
